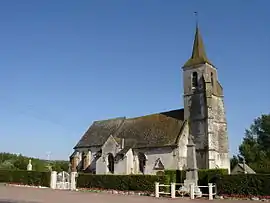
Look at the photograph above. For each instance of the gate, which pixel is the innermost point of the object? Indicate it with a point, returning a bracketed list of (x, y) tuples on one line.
[(63, 181)]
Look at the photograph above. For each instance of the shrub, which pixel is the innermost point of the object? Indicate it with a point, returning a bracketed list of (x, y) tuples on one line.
[(25, 177), (174, 176), (120, 182), (205, 176), (244, 184), (210, 175)]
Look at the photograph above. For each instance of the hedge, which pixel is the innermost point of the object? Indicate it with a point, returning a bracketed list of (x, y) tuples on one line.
[(120, 182), (205, 176), (25, 177), (143, 182), (244, 184)]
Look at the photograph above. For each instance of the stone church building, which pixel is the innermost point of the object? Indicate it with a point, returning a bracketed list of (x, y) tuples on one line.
[(152, 143)]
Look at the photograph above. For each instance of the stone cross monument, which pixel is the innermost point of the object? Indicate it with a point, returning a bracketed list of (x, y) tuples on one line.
[(192, 170)]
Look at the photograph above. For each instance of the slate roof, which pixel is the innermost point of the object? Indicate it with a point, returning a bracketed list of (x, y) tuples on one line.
[(198, 52), (160, 129), (121, 154), (247, 168)]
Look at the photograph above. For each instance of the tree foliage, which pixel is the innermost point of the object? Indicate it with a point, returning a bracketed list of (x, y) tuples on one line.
[(255, 148), (20, 162)]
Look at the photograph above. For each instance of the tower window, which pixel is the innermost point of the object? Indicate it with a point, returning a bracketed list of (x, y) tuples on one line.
[(212, 79), (194, 79)]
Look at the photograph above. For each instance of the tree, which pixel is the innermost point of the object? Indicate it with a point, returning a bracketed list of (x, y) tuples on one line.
[(20, 162), (7, 165), (255, 148), (234, 161)]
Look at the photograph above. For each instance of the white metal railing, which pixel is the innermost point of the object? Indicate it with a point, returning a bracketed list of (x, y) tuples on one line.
[(212, 190), (63, 185), (172, 192), (157, 189)]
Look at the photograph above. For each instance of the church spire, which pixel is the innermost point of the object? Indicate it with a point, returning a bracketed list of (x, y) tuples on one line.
[(198, 53)]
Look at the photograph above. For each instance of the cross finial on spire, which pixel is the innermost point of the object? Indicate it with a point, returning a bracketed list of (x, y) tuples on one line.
[(198, 52), (196, 18)]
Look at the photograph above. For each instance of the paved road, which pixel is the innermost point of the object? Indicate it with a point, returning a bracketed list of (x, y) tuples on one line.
[(10, 194)]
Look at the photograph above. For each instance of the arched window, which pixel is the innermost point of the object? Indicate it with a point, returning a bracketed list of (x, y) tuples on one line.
[(111, 162), (142, 162), (212, 79), (82, 160), (194, 79)]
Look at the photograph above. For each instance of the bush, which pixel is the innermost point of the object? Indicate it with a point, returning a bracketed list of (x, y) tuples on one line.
[(210, 175), (205, 176), (120, 182), (174, 176), (244, 184), (25, 177)]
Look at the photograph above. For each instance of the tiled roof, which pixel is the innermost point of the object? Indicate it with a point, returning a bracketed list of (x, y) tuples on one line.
[(161, 129)]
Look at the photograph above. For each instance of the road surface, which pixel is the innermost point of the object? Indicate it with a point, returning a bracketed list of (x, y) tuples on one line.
[(12, 194)]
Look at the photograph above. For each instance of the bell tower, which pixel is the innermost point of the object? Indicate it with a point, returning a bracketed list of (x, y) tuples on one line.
[(204, 108)]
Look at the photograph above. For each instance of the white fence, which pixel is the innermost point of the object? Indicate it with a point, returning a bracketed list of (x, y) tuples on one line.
[(211, 190), (63, 180)]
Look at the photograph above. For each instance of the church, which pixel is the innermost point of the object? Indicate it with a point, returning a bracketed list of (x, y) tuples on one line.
[(157, 142)]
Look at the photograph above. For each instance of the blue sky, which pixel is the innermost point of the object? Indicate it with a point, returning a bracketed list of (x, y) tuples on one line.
[(67, 63)]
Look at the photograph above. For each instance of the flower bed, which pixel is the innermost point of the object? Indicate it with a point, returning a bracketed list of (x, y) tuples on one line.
[(244, 197), (108, 191), (22, 185)]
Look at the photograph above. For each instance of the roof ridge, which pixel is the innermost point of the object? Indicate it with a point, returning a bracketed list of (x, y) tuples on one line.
[(163, 112), (111, 119)]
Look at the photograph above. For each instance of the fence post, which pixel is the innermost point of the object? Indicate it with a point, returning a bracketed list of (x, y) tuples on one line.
[(156, 189), (172, 190), (210, 188), (53, 179), (192, 186)]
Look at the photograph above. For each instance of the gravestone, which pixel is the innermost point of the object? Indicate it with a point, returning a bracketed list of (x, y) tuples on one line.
[(29, 166)]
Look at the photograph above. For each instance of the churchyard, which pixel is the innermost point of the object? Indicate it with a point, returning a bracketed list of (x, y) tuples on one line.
[(224, 187)]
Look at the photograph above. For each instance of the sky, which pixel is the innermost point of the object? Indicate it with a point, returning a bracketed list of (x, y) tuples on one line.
[(65, 64)]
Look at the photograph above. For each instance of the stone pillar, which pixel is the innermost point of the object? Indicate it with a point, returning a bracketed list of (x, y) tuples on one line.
[(73, 176), (136, 164), (75, 162), (53, 179), (87, 160)]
